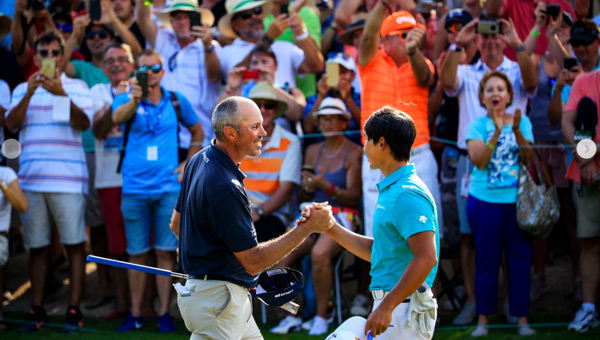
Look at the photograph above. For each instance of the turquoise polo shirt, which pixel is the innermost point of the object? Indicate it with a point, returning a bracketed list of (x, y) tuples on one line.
[(404, 207)]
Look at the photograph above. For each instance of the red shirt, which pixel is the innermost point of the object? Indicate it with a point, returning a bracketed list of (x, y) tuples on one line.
[(522, 14)]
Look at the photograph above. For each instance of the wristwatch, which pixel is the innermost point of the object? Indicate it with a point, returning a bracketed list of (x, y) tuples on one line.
[(456, 48), (259, 211)]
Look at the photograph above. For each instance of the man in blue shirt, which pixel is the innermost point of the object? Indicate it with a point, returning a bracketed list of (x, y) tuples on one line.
[(217, 240), (404, 250), (150, 181)]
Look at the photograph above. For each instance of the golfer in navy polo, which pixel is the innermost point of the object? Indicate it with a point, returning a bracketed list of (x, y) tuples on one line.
[(404, 250), (217, 240)]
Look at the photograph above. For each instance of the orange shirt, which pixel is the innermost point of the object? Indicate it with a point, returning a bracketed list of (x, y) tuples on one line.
[(384, 83)]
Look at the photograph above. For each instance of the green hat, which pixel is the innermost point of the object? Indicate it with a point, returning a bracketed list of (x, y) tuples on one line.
[(264, 90)]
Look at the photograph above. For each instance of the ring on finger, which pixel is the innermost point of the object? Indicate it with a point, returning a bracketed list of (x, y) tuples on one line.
[(309, 180)]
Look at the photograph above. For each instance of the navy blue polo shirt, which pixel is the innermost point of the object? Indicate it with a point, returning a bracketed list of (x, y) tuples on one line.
[(216, 219)]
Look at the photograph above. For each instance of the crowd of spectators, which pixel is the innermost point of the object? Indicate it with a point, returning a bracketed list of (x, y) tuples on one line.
[(110, 98)]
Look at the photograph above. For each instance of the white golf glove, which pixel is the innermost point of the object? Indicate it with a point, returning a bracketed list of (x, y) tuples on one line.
[(422, 310)]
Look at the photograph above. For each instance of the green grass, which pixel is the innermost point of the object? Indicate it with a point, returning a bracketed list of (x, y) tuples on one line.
[(548, 326)]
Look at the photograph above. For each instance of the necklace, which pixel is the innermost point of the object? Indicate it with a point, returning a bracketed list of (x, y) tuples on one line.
[(335, 153)]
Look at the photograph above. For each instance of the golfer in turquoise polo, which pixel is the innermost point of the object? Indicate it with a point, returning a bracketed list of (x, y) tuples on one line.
[(404, 250)]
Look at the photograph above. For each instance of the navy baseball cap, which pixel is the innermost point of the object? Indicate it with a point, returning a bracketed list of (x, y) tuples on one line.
[(583, 35), (278, 286), (457, 15)]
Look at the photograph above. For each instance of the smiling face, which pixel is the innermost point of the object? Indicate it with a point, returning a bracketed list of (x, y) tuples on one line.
[(372, 152), (250, 132), (490, 45), (117, 65), (97, 38), (149, 60), (51, 50), (264, 62), (495, 94), (330, 125)]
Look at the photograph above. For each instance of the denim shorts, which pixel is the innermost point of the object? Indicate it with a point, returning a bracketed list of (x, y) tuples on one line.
[(147, 222), (67, 212)]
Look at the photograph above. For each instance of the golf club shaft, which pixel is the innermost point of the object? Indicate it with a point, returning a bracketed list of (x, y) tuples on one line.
[(289, 306)]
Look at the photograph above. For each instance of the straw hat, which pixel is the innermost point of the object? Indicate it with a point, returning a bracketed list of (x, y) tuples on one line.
[(206, 15), (333, 106), (264, 90), (4, 25), (358, 22), (235, 6)]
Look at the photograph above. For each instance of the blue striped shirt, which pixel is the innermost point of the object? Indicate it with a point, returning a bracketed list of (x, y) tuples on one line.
[(52, 158)]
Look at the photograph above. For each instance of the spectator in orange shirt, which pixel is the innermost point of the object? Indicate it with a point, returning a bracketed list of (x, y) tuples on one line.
[(397, 75)]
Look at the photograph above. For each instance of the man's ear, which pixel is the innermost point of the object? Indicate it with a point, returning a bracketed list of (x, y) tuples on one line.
[(230, 133), (381, 143)]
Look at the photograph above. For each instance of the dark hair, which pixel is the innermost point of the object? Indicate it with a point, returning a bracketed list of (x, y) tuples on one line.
[(262, 49), (47, 38), (396, 127), (498, 74)]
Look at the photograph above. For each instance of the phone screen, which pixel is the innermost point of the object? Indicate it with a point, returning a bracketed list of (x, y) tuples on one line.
[(333, 73), (283, 8), (247, 74), (569, 63), (95, 10), (553, 10), (49, 67), (142, 78), (195, 19)]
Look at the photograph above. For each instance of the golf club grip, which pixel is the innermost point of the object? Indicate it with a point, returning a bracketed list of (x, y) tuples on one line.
[(128, 265), (291, 307)]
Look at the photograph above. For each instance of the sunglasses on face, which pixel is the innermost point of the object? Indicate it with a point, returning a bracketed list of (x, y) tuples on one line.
[(156, 68), (247, 14), (577, 43), (64, 27), (121, 60), (92, 34), (334, 55), (45, 53), (269, 105), (454, 27)]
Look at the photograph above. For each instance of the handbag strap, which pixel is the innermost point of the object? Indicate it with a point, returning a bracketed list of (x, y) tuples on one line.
[(543, 168)]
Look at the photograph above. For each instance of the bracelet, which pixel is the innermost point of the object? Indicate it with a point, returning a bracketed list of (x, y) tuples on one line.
[(3, 185), (410, 54), (210, 49), (534, 33), (520, 48), (330, 191), (302, 36), (267, 40), (491, 146)]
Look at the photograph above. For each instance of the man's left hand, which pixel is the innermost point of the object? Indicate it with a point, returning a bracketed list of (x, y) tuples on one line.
[(180, 170), (413, 39), (380, 319), (509, 34)]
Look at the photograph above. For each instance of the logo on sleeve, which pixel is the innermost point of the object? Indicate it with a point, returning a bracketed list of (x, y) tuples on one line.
[(379, 207), (423, 219)]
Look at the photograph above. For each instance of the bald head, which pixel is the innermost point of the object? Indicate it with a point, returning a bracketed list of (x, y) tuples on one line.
[(230, 112)]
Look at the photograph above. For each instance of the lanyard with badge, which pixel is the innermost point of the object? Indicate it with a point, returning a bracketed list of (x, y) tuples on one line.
[(153, 124)]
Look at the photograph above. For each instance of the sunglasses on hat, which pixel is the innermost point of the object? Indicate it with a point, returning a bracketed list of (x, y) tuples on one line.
[(67, 28), (102, 34), (156, 68), (577, 42), (247, 14), (454, 27)]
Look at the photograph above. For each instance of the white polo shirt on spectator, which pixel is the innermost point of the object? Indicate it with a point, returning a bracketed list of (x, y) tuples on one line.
[(4, 102), (289, 58), (107, 150), (52, 158), (185, 73), (470, 108)]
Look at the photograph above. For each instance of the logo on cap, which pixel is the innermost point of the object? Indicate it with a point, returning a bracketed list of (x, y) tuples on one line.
[(402, 19)]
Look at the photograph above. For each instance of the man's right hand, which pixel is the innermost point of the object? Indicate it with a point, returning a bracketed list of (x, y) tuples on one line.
[(467, 34), (80, 23), (318, 218), (21, 6), (322, 86), (277, 27), (235, 79), (136, 90), (34, 82)]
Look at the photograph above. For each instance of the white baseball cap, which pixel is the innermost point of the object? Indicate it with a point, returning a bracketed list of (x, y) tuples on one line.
[(342, 59)]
